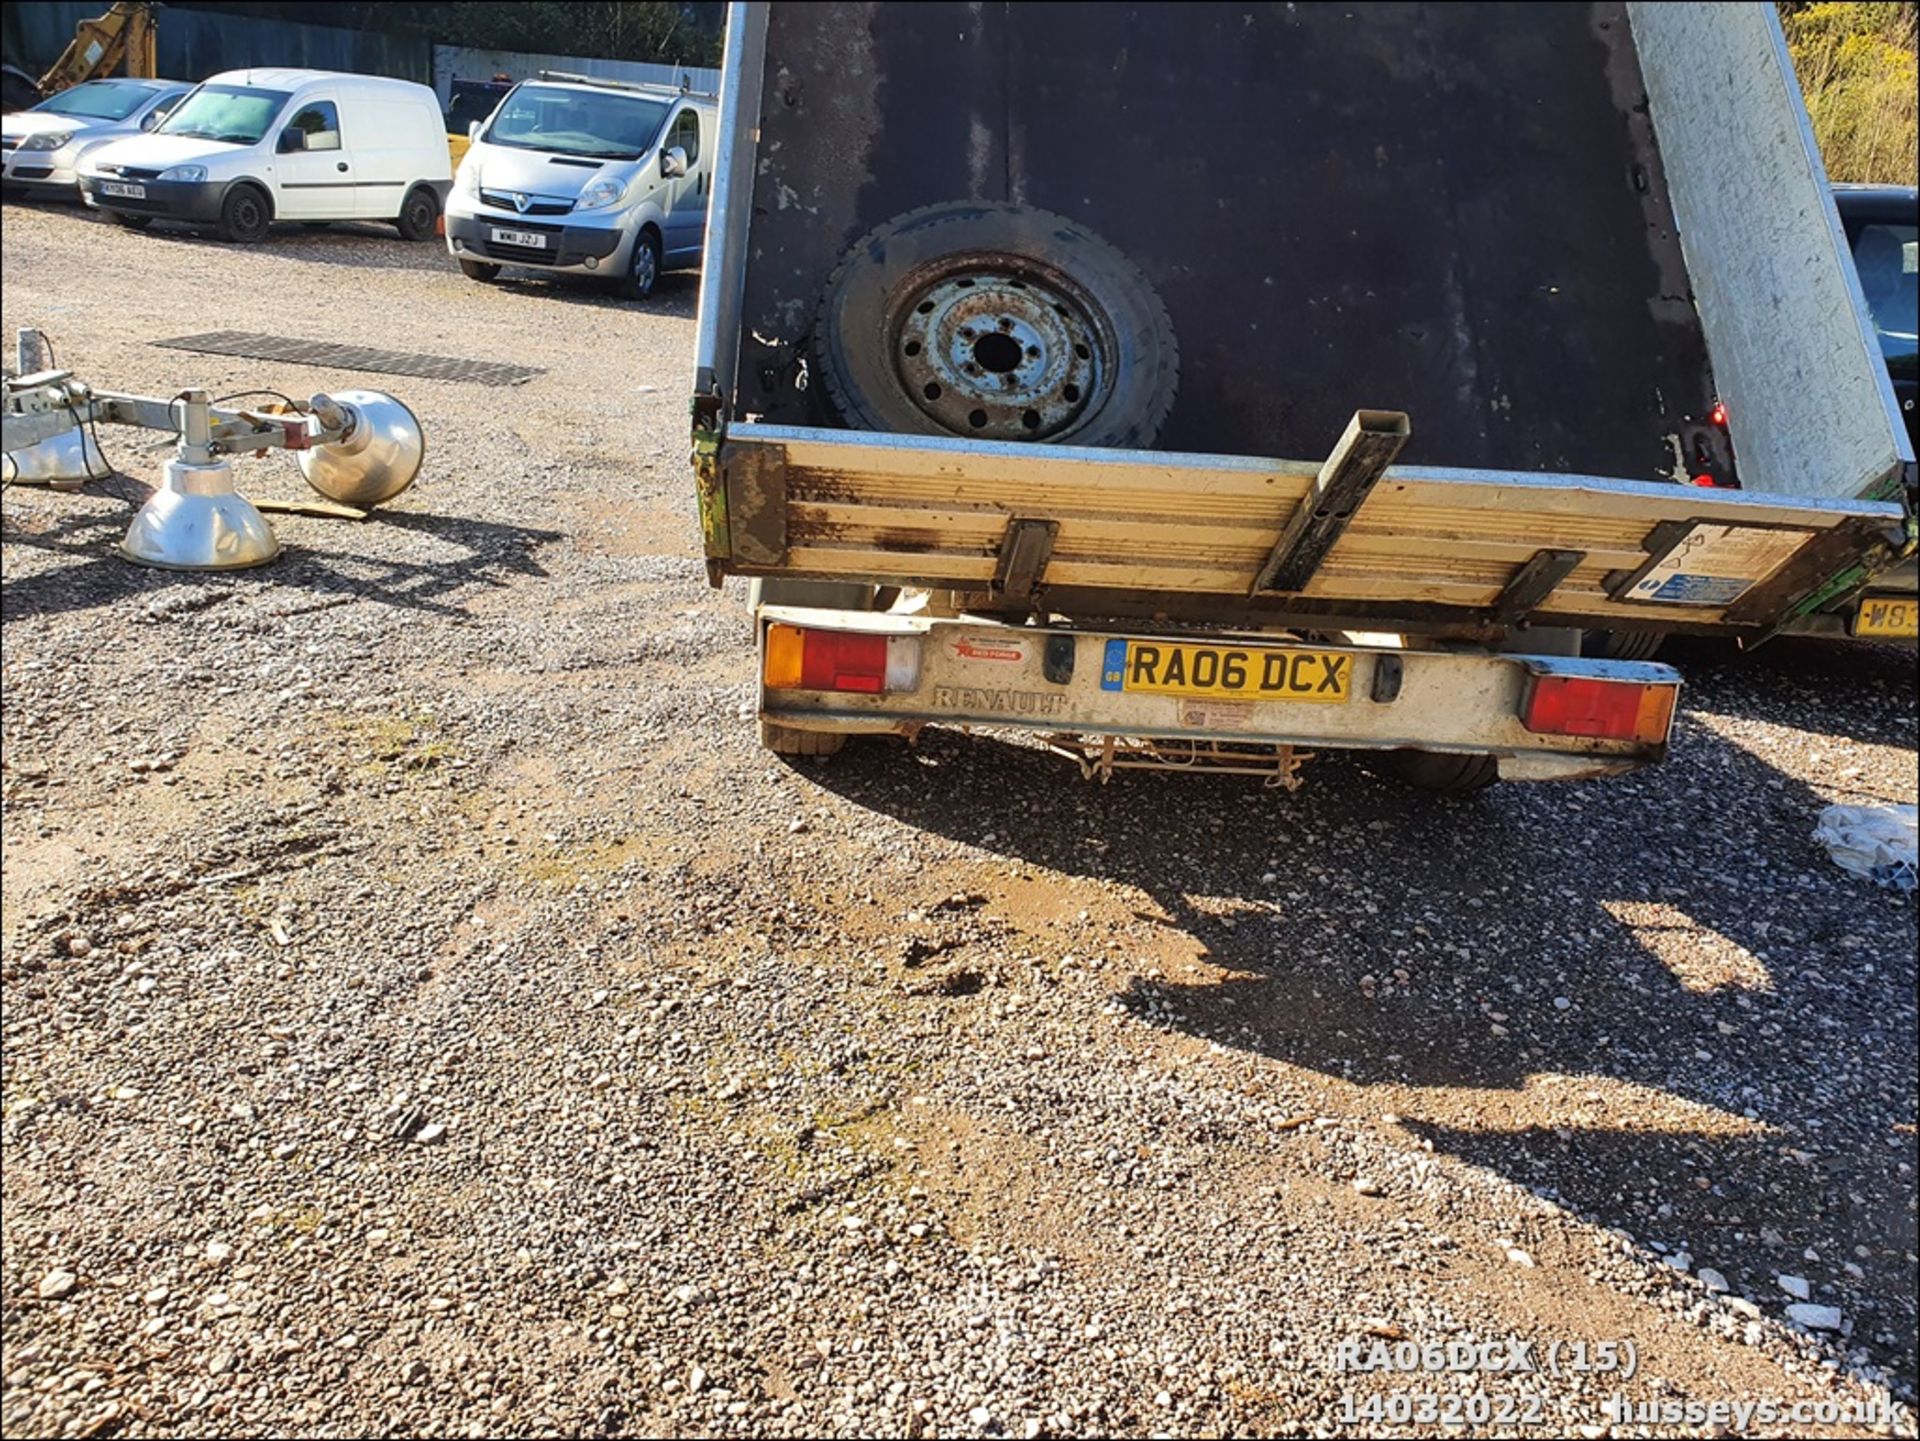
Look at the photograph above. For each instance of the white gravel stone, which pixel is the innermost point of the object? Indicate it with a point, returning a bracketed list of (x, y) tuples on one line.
[(1815, 1317), (57, 1284)]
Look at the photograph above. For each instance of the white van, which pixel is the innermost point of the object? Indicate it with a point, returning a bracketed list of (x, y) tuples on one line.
[(586, 177), (250, 147)]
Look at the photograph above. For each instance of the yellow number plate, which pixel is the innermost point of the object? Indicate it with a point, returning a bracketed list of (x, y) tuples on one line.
[(1895, 618), (1227, 672)]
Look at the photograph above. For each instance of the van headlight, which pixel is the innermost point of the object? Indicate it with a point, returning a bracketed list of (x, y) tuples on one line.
[(47, 140), (191, 173), (599, 195)]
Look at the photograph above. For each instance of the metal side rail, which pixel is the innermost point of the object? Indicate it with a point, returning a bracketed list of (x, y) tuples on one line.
[(1207, 702)]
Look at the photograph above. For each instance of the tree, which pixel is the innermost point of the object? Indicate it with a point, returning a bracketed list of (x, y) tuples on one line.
[(657, 30), (1857, 69)]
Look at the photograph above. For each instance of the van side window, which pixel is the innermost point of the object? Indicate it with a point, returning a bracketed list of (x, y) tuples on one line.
[(321, 122), (686, 134)]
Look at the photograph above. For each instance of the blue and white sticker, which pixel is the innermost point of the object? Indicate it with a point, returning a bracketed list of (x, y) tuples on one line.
[(1113, 666), (1714, 565)]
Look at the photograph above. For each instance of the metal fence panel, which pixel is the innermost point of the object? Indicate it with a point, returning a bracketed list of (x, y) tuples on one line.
[(194, 44), (470, 62)]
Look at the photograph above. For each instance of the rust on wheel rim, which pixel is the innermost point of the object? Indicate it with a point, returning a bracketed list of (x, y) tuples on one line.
[(1004, 353)]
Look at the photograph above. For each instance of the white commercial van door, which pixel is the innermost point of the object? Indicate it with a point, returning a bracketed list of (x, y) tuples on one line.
[(389, 153), (315, 182)]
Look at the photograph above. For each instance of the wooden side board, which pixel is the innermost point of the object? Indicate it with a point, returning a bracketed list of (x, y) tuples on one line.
[(936, 512)]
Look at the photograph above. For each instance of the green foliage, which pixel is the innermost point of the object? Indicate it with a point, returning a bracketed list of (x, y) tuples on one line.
[(1856, 63), (657, 30)]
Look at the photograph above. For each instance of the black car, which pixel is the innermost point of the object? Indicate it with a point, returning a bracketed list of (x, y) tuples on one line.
[(1881, 222)]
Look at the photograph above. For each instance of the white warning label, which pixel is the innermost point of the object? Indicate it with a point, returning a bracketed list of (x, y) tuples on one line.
[(1715, 565)]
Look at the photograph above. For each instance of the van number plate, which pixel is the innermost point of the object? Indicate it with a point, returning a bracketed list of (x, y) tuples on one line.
[(123, 190), (1224, 672), (1888, 618), (532, 238)]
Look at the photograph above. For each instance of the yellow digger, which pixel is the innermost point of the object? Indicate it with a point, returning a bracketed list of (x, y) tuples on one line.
[(126, 35)]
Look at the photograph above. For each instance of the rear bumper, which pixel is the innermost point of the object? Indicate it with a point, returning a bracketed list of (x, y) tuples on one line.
[(974, 672)]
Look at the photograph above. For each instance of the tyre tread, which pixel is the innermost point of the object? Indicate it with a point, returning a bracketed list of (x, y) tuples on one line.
[(845, 402)]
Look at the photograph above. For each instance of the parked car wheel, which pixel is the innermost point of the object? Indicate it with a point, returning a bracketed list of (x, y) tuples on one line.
[(1436, 770), (245, 216), (644, 269), (479, 270), (418, 214), (132, 222)]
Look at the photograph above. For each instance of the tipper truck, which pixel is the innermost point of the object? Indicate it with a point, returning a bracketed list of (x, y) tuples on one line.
[(1203, 386)]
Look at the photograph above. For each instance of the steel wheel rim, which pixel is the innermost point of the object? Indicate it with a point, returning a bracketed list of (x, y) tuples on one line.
[(1000, 351), (248, 214)]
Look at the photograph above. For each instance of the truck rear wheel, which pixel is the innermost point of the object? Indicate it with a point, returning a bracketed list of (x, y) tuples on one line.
[(1437, 771), (790, 741), (1621, 644), (996, 322)]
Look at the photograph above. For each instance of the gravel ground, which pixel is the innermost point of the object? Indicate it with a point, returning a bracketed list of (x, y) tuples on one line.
[(428, 1012)]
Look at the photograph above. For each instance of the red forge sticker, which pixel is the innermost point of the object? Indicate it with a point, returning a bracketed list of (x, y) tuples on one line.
[(1004, 652)]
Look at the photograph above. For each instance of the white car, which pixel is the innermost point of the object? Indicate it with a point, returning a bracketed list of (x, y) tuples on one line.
[(40, 147), (250, 147), (585, 177)]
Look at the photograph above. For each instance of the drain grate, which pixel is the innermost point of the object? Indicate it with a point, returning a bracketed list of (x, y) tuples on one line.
[(352, 357)]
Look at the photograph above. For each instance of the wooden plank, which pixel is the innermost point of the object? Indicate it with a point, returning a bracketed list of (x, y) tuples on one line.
[(1158, 541), (852, 465), (1439, 542)]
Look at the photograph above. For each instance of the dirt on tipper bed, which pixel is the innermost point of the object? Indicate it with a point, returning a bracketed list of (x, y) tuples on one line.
[(427, 1011)]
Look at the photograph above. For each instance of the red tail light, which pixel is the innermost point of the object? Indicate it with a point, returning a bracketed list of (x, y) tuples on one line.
[(1718, 415), (1602, 709), (841, 660), (1704, 479)]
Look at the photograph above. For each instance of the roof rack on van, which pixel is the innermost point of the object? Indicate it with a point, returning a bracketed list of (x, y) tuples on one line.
[(646, 87)]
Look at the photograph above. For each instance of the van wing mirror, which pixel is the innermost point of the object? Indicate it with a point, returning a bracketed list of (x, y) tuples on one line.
[(473, 130), (673, 162), (292, 140)]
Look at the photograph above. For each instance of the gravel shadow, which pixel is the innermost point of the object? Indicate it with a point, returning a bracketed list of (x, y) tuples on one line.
[(1675, 930), (675, 294), (487, 555)]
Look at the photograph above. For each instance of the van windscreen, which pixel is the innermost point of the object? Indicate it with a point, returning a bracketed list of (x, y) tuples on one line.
[(600, 126), (229, 114)]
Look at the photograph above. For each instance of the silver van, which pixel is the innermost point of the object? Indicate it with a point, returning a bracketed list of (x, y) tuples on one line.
[(585, 177)]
